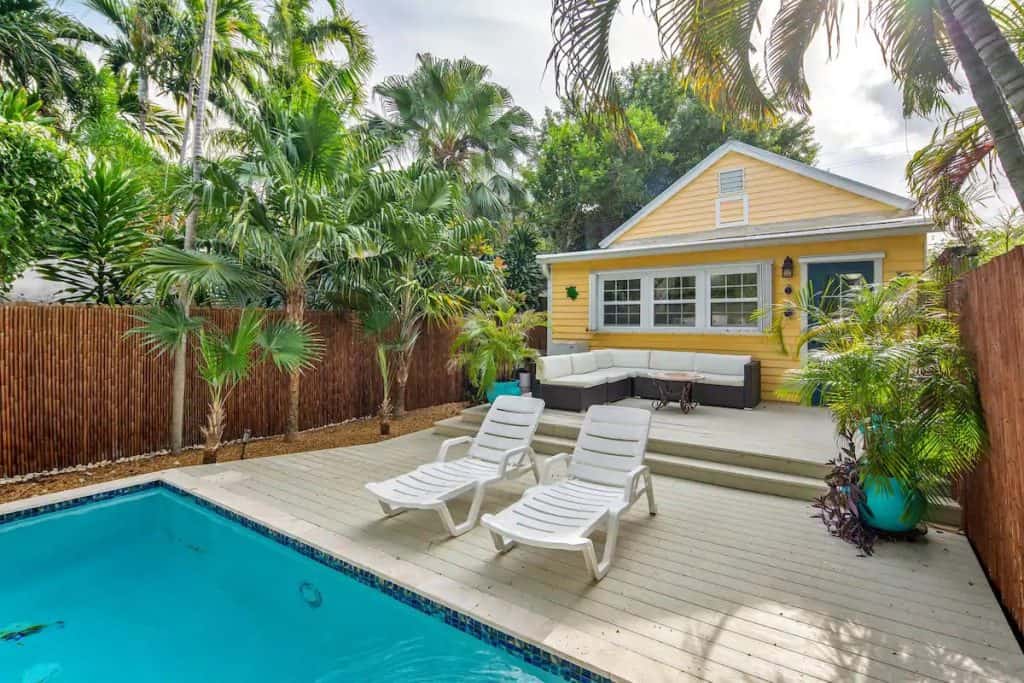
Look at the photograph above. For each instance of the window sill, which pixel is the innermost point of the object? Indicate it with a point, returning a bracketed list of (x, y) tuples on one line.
[(679, 330)]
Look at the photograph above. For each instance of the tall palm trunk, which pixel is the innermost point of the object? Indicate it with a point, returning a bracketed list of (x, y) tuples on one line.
[(295, 310), (143, 95), (187, 129), (993, 108), (993, 49), (181, 353)]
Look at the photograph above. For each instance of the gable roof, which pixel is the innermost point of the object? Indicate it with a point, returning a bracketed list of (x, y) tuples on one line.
[(767, 157)]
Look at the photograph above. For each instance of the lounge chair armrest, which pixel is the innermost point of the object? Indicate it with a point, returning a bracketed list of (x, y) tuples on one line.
[(546, 467), (632, 479), (508, 455), (442, 452)]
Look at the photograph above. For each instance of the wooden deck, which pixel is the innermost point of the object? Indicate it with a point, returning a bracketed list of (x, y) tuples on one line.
[(722, 585)]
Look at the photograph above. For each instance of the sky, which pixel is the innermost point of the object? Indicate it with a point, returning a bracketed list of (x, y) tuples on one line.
[(856, 110)]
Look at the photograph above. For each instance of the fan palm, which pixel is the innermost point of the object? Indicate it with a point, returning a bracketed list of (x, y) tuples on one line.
[(422, 267), (284, 196), (39, 48), (103, 237), (713, 42), (227, 358), (447, 112)]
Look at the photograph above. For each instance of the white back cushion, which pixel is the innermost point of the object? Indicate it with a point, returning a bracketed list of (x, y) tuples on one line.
[(720, 364), (672, 360), (612, 442), (631, 358), (553, 367), (605, 358), (583, 363), (510, 422)]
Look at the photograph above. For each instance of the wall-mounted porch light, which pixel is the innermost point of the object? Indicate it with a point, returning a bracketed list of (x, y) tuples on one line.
[(787, 267)]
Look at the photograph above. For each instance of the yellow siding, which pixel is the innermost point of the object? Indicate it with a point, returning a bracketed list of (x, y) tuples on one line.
[(775, 196), (569, 319)]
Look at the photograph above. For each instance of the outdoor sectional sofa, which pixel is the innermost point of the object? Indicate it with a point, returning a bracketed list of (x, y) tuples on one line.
[(579, 380)]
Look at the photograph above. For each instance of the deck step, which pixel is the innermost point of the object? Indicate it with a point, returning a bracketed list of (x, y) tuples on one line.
[(550, 426), (703, 469)]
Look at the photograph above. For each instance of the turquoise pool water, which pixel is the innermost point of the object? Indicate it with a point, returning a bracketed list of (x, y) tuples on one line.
[(151, 586)]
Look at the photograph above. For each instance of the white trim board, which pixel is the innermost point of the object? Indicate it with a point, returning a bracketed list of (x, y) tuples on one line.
[(778, 160)]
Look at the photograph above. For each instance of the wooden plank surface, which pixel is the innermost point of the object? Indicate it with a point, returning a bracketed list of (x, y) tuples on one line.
[(721, 585)]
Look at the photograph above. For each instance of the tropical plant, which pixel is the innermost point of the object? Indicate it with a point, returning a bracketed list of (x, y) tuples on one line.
[(225, 359), (36, 170), (713, 47), (144, 31), (284, 198), (523, 275), (494, 342), (39, 48), (890, 367), (421, 268), (102, 238), (448, 114)]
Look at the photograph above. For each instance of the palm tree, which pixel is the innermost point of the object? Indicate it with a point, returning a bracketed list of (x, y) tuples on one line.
[(103, 237), (423, 268), (942, 174), (297, 43), (144, 31), (447, 112), (920, 42), (284, 197), (39, 48), (227, 358)]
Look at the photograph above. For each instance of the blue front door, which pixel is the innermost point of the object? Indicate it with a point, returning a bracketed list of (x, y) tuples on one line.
[(833, 283)]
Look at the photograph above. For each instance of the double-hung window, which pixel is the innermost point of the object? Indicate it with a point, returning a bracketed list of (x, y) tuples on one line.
[(621, 302), (733, 298), (675, 301), (715, 298)]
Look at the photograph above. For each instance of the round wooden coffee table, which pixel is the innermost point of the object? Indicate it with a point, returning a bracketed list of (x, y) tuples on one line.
[(667, 383)]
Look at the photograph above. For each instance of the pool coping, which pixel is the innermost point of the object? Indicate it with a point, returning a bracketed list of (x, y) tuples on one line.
[(533, 639)]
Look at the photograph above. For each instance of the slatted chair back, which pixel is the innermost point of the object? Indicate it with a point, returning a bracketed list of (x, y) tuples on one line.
[(612, 442), (510, 422)]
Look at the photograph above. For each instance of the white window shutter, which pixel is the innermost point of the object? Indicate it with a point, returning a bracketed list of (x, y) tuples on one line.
[(764, 293), (593, 301)]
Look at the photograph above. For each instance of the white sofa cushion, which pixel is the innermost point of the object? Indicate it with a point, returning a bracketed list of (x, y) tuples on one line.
[(553, 367), (722, 380), (605, 358), (673, 361), (582, 363), (584, 381), (613, 374), (719, 364), (631, 358)]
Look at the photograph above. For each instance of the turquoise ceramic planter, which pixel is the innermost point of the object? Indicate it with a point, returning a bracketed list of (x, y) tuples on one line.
[(886, 506), (510, 388)]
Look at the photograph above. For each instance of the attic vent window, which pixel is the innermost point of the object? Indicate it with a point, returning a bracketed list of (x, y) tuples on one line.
[(730, 182)]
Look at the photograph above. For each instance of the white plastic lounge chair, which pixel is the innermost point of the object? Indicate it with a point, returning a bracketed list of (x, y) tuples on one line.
[(500, 450), (605, 469)]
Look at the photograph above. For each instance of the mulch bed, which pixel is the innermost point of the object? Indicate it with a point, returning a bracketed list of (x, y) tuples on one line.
[(348, 434)]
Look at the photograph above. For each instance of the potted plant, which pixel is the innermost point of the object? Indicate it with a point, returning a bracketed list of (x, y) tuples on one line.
[(492, 346), (889, 366)]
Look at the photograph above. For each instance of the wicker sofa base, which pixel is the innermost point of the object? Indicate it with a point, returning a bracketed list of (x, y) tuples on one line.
[(576, 399)]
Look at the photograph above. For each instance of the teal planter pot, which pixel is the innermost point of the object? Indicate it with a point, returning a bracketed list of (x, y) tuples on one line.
[(510, 388), (886, 505)]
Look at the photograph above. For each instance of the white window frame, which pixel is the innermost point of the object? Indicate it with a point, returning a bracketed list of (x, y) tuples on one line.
[(756, 299), (702, 273), (695, 300), (732, 197)]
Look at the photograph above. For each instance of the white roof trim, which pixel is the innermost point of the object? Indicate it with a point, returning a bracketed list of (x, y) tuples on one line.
[(920, 225), (842, 183)]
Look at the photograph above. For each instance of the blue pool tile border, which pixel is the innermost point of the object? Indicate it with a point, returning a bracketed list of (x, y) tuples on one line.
[(524, 650)]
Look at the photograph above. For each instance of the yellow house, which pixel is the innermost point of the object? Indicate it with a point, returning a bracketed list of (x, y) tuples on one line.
[(688, 270)]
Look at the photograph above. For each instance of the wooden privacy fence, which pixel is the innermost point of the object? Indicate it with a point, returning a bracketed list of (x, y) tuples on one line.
[(75, 391), (989, 302)]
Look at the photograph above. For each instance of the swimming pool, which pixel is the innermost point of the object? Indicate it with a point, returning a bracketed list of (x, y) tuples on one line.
[(156, 585)]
